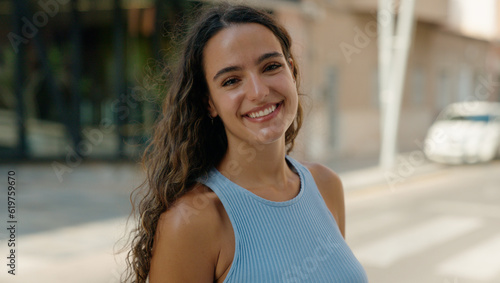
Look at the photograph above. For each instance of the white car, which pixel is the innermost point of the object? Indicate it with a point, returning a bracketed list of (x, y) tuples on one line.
[(465, 132)]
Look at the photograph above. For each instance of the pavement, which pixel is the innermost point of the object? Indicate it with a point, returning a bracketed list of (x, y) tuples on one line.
[(71, 218), (408, 166), (441, 226), (69, 221)]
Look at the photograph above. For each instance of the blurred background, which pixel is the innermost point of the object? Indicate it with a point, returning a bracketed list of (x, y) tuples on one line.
[(79, 94)]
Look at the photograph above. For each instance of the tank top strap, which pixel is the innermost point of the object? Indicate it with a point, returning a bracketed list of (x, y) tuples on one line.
[(306, 177)]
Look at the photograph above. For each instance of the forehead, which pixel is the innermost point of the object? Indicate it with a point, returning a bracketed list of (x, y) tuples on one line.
[(237, 44)]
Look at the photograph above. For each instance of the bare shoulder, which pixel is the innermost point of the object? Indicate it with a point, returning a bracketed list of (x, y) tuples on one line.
[(331, 189), (324, 176), (186, 238), (197, 209)]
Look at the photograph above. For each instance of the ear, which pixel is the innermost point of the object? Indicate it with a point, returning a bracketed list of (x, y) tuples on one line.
[(211, 108)]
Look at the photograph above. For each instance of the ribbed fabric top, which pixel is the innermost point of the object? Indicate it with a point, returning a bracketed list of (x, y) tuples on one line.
[(291, 241)]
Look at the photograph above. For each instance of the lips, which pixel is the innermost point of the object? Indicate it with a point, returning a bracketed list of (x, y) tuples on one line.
[(262, 111), (258, 115)]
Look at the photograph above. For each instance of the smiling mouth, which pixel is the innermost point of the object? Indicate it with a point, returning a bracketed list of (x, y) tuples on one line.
[(265, 112)]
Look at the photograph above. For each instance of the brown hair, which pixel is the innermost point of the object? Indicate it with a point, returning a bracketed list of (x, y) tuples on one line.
[(185, 144)]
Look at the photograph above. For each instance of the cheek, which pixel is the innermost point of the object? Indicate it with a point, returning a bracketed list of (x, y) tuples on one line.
[(285, 84), (289, 90), (228, 103)]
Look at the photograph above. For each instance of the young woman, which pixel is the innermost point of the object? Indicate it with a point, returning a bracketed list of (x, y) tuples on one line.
[(223, 201)]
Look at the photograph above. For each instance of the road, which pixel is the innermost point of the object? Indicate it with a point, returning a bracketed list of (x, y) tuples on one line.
[(442, 227), (70, 225)]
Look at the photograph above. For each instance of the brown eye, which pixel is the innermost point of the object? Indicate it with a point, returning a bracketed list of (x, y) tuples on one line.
[(273, 66), (229, 82)]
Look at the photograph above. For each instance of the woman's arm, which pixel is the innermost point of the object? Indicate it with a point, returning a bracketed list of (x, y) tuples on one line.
[(186, 241)]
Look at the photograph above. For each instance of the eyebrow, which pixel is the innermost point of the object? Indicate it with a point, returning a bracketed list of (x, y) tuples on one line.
[(258, 61)]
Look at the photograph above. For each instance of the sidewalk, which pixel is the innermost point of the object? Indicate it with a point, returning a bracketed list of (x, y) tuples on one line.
[(405, 169), (68, 225), (67, 229)]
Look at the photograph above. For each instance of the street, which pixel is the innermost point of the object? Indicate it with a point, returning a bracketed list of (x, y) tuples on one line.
[(441, 227), (70, 226)]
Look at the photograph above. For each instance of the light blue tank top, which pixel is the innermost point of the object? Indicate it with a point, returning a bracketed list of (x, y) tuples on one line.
[(291, 241)]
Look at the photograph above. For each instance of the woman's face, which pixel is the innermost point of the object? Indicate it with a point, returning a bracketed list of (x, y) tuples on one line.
[(251, 84)]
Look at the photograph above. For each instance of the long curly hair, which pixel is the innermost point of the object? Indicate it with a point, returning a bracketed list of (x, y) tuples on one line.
[(186, 143)]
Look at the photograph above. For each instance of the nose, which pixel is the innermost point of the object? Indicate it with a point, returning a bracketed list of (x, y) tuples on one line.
[(257, 88)]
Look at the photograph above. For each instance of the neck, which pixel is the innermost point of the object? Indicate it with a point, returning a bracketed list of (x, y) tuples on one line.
[(253, 166)]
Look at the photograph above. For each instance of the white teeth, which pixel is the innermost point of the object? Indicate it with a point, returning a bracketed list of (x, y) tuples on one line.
[(264, 112)]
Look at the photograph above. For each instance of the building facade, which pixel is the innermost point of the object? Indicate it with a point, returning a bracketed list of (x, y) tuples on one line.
[(336, 42), (83, 73)]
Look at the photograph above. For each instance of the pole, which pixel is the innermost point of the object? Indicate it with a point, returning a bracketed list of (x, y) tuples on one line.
[(76, 42), (395, 83), (19, 83), (119, 76), (385, 43)]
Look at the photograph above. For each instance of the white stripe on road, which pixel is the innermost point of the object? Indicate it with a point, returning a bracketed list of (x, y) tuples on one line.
[(384, 252), (480, 263)]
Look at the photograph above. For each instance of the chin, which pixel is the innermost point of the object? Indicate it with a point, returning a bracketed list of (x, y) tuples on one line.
[(268, 136)]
